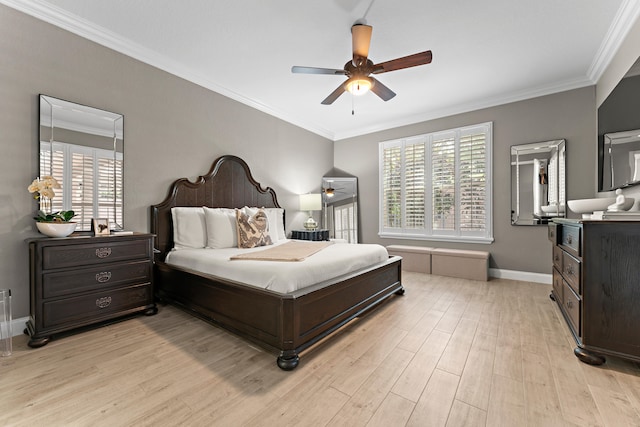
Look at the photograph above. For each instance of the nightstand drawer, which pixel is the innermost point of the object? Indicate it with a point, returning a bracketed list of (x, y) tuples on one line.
[(94, 253), (95, 306), (93, 278)]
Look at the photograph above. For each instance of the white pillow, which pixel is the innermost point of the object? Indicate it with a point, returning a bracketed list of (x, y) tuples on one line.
[(222, 231), (189, 229), (275, 216)]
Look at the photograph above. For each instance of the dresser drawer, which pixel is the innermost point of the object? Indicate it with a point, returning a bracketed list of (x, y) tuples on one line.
[(571, 239), (557, 257), (96, 306), (94, 253), (83, 280), (552, 232), (572, 306), (571, 271), (557, 287)]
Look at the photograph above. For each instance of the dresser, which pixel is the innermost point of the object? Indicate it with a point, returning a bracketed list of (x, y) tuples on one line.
[(82, 280), (596, 284)]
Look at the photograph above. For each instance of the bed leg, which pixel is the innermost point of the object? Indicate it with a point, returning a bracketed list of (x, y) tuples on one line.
[(288, 360), (400, 291)]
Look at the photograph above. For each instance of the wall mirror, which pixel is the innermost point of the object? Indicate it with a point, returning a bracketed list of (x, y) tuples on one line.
[(538, 182), (619, 134), (340, 207), (83, 148)]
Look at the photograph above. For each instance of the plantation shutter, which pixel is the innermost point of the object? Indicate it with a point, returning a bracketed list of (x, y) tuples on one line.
[(82, 187), (392, 186), (443, 181), (414, 167), (472, 173), (110, 189), (52, 164)]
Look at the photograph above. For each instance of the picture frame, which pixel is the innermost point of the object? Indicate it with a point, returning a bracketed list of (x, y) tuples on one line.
[(100, 226)]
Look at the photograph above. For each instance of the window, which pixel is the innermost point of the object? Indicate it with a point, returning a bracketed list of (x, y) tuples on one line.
[(437, 186), (91, 181)]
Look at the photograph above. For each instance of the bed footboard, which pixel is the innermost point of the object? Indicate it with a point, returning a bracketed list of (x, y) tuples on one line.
[(283, 323)]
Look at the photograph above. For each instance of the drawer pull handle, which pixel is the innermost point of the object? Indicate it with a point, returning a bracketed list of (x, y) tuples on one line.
[(103, 302), (569, 304), (103, 276), (556, 258), (569, 239), (570, 270), (103, 252)]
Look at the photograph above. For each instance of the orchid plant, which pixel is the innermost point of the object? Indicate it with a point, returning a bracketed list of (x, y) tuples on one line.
[(43, 191)]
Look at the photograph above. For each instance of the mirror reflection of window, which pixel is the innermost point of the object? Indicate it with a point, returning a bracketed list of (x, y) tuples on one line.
[(82, 147)]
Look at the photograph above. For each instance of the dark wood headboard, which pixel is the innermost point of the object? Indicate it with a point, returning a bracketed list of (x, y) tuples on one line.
[(228, 184)]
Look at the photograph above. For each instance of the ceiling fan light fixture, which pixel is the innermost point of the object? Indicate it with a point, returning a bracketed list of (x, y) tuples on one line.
[(359, 85)]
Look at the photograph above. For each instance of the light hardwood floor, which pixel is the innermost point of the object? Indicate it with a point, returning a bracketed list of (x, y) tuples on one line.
[(450, 352)]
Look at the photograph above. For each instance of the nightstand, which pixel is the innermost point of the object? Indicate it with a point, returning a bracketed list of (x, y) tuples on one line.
[(315, 235)]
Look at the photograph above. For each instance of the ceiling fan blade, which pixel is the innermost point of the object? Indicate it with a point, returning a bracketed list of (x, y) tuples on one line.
[(414, 60), (381, 90), (316, 70), (361, 39), (334, 95)]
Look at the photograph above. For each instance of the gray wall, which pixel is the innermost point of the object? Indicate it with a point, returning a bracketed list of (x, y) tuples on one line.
[(172, 129), (570, 115)]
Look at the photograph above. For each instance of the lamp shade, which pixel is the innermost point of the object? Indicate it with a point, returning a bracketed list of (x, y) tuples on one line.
[(311, 202)]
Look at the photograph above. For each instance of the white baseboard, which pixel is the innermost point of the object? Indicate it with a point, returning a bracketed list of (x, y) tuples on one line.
[(525, 276), (18, 325)]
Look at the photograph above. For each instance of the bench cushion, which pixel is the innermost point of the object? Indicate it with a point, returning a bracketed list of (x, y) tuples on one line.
[(461, 253)]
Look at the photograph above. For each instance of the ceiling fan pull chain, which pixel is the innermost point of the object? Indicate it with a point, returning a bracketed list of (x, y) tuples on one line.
[(353, 107)]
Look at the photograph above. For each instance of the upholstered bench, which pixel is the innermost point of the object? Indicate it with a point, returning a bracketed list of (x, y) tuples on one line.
[(465, 264), (414, 258)]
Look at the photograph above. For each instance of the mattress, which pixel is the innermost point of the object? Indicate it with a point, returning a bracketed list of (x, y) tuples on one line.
[(282, 277)]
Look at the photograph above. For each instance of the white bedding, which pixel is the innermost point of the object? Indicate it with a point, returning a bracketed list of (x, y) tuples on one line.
[(283, 277)]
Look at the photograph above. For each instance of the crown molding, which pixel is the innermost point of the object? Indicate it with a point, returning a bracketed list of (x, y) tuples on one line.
[(623, 22)]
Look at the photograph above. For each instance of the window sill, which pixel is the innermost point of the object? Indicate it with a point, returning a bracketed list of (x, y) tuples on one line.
[(454, 239)]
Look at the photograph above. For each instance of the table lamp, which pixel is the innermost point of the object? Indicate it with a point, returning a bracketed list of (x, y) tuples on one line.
[(310, 202)]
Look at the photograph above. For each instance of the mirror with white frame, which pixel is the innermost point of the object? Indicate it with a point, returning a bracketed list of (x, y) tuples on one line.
[(340, 207), (83, 149), (538, 191)]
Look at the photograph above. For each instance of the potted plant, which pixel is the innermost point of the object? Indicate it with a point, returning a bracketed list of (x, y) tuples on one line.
[(52, 224)]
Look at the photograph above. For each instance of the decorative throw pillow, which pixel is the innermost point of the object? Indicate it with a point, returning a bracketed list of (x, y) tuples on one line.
[(253, 231), (276, 221)]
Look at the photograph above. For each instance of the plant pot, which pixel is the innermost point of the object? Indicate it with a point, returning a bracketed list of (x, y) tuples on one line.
[(56, 229)]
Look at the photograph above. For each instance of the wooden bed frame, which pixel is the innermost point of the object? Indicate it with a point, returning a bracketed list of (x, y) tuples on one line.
[(285, 323)]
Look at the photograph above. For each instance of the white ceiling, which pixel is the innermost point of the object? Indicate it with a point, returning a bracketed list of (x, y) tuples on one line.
[(484, 52)]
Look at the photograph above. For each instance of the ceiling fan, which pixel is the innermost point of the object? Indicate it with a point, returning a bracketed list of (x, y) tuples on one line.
[(360, 68)]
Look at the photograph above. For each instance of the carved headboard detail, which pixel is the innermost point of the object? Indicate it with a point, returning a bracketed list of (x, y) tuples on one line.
[(228, 184)]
